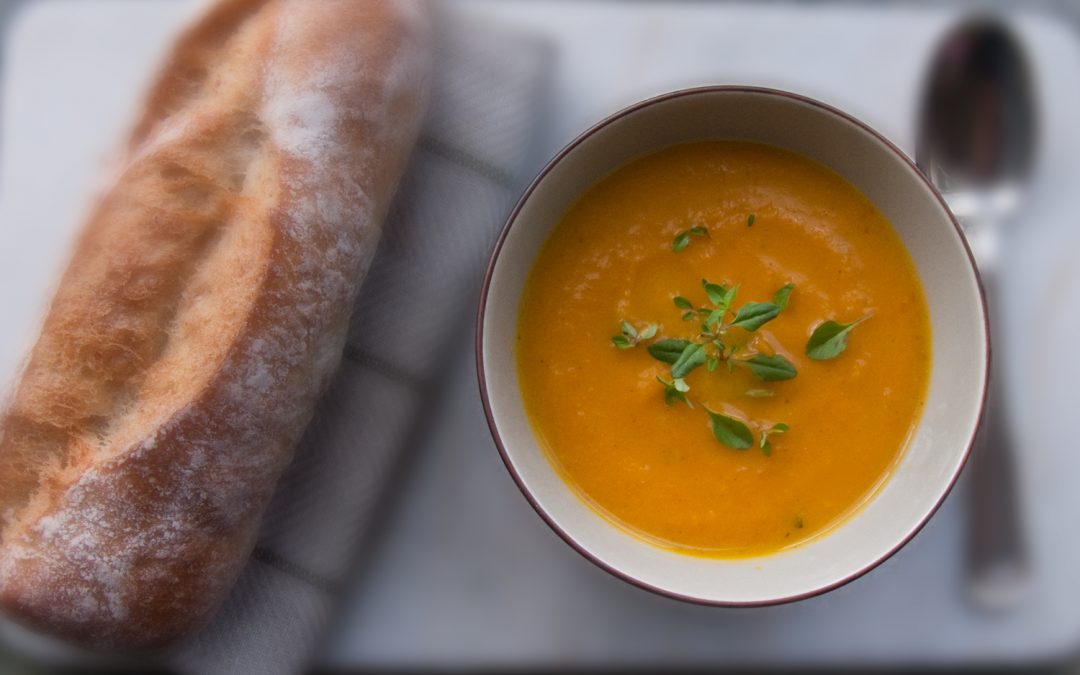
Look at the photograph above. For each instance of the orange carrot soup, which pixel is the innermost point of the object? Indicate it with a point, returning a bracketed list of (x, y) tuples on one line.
[(724, 348)]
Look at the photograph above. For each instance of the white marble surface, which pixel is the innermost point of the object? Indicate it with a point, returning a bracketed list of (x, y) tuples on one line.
[(465, 573)]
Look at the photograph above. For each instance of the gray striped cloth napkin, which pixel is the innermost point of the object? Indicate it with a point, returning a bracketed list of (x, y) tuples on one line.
[(464, 177)]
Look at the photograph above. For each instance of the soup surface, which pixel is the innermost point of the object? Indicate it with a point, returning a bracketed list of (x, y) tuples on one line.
[(763, 218)]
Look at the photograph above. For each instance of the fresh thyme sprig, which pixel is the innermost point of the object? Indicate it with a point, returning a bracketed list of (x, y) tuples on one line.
[(630, 336), (710, 347)]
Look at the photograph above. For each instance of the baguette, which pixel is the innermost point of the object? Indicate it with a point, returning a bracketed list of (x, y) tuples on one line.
[(203, 312)]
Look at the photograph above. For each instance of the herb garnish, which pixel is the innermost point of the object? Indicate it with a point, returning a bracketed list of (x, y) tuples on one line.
[(713, 345), (708, 347), (676, 389), (730, 431), (754, 315), (683, 303), (764, 444), (691, 357), (630, 336), (769, 368), (829, 339), (780, 298), (668, 350), (682, 239)]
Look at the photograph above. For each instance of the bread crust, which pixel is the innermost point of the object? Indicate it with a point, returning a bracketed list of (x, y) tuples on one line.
[(202, 314)]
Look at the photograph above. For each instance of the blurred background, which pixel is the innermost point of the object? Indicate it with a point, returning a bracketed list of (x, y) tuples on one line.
[(447, 564)]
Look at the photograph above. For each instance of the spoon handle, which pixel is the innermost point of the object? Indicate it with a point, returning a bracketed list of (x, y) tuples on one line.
[(998, 569)]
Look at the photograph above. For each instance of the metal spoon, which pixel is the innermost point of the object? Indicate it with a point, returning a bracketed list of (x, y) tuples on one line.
[(976, 142)]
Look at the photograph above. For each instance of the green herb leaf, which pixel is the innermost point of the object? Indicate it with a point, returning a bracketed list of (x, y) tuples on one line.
[(682, 303), (729, 297), (750, 221), (730, 366), (830, 339), (691, 357), (766, 446), (675, 391), (754, 315), (780, 299), (668, 350), (631, 337), (714, 317), (770, 368), (760, 393), (711, 364), (688, 316), (716, 292), (682, 240), (670, 394), (730, 431)]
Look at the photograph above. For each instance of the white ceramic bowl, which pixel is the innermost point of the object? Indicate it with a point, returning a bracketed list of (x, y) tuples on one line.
[(888, 178)]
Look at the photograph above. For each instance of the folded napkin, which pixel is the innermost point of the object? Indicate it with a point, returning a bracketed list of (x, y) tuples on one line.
[(464, 176)]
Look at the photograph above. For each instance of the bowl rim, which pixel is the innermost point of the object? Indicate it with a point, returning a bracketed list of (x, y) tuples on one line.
[(482, 375)]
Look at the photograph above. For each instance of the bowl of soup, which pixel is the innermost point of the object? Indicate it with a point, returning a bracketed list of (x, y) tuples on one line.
[(732, 346)]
